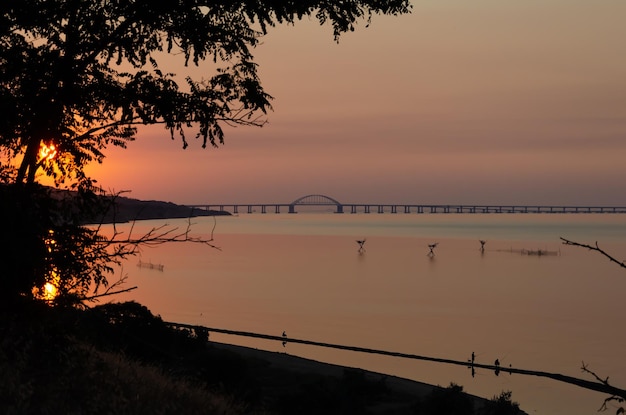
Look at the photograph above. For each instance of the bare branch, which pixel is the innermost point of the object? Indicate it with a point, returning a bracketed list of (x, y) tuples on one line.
[(585, 368), (108, 293), (594, 248)]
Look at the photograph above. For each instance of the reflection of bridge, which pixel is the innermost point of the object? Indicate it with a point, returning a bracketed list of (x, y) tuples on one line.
[(325, 201)]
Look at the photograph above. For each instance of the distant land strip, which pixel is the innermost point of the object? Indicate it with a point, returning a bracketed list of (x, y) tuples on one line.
[(127, 210)]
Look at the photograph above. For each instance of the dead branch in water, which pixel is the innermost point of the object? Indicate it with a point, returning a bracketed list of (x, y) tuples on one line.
[(617, 394), (594, 248)]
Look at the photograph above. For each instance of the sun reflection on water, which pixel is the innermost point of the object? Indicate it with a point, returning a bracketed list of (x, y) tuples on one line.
[(49, 291)]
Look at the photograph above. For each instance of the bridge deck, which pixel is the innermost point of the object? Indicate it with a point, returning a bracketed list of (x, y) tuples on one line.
[(237, 208)]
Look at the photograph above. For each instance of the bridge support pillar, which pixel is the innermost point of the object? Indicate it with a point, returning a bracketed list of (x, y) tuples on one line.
[(339, 209), (367, 208), (263, 209), (277, 209), (235, 209), (292, 209)]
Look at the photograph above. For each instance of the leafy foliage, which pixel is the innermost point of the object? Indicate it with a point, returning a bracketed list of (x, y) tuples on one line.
[(77, 76), (502, 405), (450, 400), (81, 75), (67, 361), (23, 249), (44, 244)]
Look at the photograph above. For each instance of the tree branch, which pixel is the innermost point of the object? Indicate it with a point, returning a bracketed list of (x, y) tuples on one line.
[(107, 293), (594, 248), (614, 397)]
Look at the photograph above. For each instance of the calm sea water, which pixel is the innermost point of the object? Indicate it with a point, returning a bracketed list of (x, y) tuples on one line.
[(303, 274)]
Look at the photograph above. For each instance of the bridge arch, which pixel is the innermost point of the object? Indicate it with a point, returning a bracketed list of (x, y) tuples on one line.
[(315, 200)]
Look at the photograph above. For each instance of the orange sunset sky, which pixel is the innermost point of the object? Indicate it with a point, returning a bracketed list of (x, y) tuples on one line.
[(462, 101)]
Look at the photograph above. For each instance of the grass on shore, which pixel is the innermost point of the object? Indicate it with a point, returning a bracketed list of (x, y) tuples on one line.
[(121, 359)]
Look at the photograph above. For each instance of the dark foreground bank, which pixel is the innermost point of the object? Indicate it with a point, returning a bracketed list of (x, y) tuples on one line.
[(119, 358)]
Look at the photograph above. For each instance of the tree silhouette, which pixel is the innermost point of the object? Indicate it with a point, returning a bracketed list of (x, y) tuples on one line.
[(77, 76), (81, 75)]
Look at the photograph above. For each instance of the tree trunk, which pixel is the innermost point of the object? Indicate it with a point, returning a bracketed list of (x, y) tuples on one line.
[(28, 167)]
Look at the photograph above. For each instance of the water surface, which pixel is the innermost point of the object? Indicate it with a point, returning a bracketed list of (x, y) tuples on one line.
[(303, 274)]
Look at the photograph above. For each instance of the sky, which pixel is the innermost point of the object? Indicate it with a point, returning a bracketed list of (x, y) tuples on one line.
[(460, 102)]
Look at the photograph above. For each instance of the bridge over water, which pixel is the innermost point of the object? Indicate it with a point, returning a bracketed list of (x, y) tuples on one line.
[(317, 200)]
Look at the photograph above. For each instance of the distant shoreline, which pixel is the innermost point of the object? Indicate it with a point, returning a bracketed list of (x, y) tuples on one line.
[(129, 210)]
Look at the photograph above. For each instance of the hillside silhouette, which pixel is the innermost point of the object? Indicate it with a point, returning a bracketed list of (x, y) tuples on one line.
[(127, 209)]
